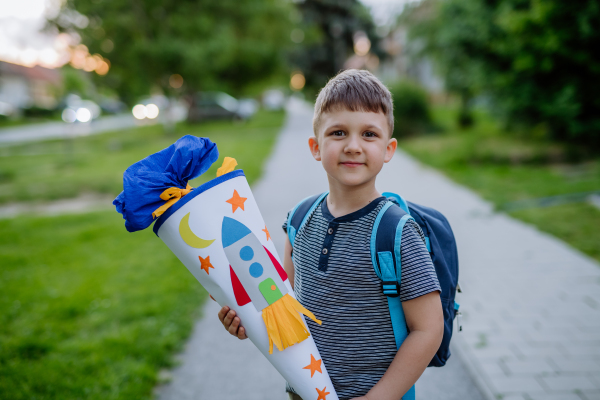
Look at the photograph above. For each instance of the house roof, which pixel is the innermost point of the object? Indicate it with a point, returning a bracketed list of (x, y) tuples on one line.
[(33, 73)]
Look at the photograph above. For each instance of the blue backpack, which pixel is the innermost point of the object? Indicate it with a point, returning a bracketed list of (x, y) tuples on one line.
[(385, 254)]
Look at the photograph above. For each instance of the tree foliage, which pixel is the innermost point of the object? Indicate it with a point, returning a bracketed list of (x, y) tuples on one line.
[(226, 44), (330, 26), (411, 109), (537, 59)]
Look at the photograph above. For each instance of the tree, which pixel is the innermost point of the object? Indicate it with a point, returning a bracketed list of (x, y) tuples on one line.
[(227, 45), (538, 59), (330, 26)]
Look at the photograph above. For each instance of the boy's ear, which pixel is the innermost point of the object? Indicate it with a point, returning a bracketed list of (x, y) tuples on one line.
[(390, 150), (314, 148)]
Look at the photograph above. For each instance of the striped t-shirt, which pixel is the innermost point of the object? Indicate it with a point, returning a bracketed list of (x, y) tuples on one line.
[(334, 278)]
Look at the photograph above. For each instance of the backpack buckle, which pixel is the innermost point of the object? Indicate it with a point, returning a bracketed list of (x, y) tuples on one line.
[(391, 288)]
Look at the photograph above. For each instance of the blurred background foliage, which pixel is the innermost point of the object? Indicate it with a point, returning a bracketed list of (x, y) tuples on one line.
[(332, 27), (412, 114), (535, 61), (236, 46), (215, 45)]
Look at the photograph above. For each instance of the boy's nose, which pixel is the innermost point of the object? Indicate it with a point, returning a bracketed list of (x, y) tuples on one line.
[(353, 145)]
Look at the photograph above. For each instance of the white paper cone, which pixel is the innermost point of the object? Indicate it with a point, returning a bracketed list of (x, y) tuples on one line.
[(188, 228)]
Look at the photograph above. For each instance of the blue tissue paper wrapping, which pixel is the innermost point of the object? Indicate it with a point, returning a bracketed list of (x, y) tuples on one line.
[(144, 181)]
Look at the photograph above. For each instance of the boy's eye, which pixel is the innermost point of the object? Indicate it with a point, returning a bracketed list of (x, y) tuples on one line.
[(337, 133), (369, 134)]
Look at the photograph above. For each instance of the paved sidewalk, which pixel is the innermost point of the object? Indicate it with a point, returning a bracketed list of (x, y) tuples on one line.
[(78, 205), (216, 365), (62, 130)]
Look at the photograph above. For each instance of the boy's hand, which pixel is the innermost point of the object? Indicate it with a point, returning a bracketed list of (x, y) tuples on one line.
[(232, 323)]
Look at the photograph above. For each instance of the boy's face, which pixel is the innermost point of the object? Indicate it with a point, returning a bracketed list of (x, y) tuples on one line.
[(353, 146)]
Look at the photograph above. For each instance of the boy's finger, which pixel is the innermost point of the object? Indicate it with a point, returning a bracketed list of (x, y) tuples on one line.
[(222, 312), (242, 333), (229, 319), (233, 328)]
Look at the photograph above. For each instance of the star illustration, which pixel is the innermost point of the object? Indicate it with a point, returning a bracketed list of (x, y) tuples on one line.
[(322, 394), (236, 201), (315, 365), (205, 263), (267, 232)]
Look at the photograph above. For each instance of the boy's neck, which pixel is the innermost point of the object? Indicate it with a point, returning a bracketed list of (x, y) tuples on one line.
[(343, 200)]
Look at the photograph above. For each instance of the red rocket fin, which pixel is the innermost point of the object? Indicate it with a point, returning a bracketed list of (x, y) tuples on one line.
[(278, 266), (241, 296)]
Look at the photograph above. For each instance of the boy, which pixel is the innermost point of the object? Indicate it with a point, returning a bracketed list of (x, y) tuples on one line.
[(332, 273)]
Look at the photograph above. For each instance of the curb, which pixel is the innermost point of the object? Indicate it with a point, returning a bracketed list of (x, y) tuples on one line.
[(459, 347)]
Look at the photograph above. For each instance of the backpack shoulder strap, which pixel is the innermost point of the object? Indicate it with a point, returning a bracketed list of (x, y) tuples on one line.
[(396, 198), (386, 241), (299, 214)]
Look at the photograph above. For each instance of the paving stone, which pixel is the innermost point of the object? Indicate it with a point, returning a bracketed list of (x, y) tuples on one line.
[(514, 397), (493, 353), (543, 351), (552, 335), (586, 336), (595, 378), (529, 367), (515, 384), (591, 394), (493, 368), (575, 349), (553, 396), (576, 364), (571, 383)]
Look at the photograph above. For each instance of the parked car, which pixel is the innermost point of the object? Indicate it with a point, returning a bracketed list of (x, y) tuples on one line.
[(273, 99), (78, 110), (219, 105)]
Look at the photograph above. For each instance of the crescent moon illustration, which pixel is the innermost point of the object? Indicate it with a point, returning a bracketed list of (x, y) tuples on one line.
[(190, 237)]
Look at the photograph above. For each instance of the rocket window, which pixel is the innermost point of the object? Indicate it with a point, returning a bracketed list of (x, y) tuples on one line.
[(246, 253), (256, 270)]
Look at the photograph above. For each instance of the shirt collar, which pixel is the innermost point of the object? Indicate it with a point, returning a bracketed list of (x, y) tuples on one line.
[(353, 215)]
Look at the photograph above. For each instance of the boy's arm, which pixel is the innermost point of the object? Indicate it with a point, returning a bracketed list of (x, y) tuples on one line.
[(228, 317), (425, 321)]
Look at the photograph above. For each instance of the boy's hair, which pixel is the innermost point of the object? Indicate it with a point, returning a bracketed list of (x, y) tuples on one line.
[(354, 90)]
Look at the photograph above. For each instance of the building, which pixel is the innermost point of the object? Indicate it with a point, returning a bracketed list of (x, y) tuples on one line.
[(24, 87)]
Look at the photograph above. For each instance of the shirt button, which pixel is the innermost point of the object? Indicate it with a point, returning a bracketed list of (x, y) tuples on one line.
[(330, 231), (324, 251)]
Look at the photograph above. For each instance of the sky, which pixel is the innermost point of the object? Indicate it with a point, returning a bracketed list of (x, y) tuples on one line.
[(384, 11), (22, 43)]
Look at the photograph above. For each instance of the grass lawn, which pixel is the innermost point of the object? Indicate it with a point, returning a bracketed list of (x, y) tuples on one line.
[(10, 123), (504, 168), (66, 168), (87, 310)]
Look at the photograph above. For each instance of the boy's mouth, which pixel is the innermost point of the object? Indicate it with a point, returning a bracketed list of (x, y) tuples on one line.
[(352, 164)]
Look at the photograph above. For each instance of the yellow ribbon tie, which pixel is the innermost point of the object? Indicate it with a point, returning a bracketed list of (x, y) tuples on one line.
[(229, 165), (171, 196)]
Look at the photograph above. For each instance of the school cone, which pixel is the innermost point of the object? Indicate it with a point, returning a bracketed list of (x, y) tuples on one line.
[(217, 231)]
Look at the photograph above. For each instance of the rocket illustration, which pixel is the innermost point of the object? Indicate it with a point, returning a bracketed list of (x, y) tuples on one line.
[(256, 275)]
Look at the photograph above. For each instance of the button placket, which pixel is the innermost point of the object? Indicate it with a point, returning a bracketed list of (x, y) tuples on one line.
[(326, 249)]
